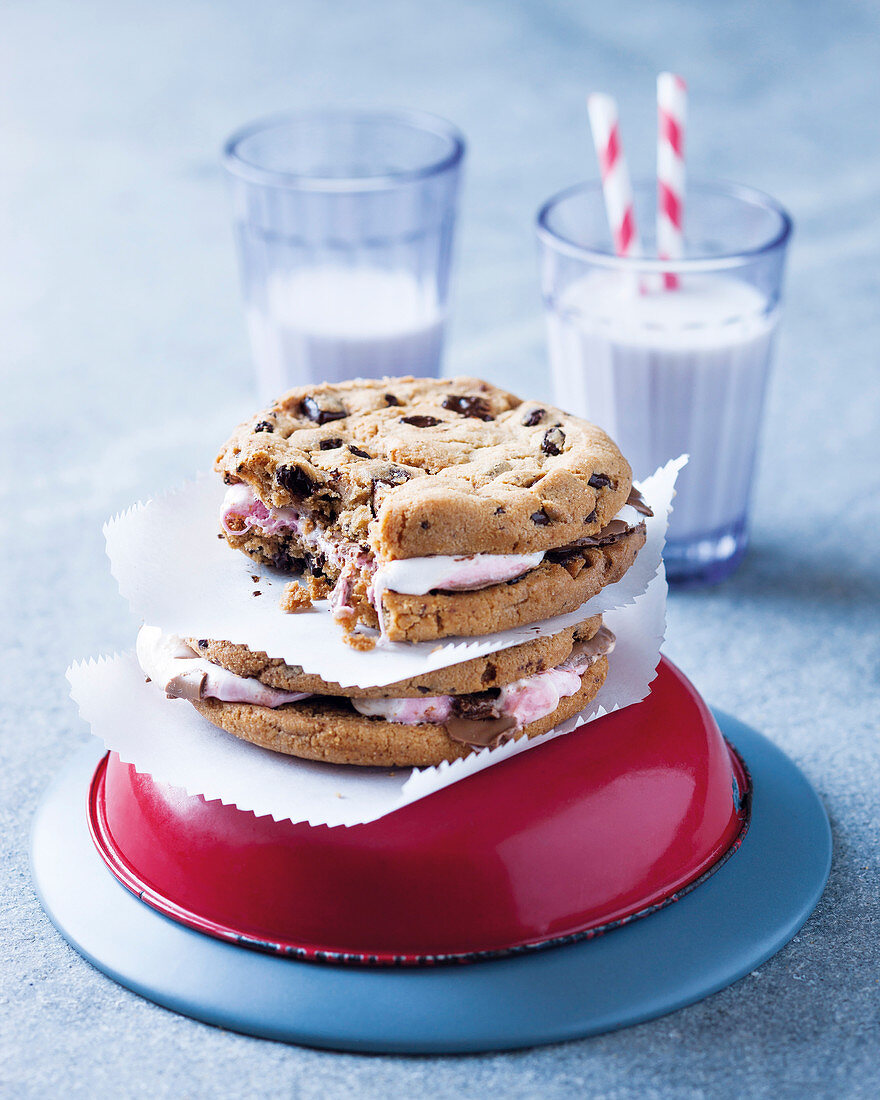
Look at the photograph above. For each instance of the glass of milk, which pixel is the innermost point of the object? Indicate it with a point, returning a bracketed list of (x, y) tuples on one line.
[(667, 371), (344, 223)]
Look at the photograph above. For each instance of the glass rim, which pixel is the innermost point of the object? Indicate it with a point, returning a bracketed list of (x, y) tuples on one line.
[(240, 166), (749, 196)]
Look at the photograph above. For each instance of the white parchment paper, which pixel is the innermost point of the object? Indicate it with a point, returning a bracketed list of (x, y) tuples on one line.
[(179, 576), (170, 740)]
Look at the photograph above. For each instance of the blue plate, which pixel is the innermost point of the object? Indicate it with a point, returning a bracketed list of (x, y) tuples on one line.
[(714, 935)]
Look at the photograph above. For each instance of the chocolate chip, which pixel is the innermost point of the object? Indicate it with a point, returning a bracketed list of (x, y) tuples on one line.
[(294, 480), (532, 418), (287, 562), (321, 413), (540, 519), (390, 399), (315, 563), (425, 524), (553, 441), (394, 475), (500, 511), (357, 451), (637, 501), (257, 592), (264, 426), (420, 421), (478, 704), (203, 643), (600, 481), (476, 407), (591, 518), (329, 444)]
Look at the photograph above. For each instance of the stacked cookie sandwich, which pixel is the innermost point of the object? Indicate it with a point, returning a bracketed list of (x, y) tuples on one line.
[(425, 509)]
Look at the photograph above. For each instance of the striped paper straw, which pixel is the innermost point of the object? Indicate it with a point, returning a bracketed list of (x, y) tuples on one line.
[(616, 186), (671, 117)]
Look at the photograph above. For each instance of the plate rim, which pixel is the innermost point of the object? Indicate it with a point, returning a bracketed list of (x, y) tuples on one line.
[(666, 960)]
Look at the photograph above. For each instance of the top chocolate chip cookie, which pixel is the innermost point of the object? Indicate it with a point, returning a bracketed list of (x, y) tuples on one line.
[(408, 468)]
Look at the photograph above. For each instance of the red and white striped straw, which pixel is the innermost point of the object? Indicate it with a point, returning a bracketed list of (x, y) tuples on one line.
[(616, 186), (671, 118)]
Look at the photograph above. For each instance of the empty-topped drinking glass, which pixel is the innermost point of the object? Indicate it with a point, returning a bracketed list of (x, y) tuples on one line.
[(666, 371), (344, 223)]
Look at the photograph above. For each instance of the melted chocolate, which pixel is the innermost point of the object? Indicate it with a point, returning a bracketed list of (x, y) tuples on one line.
[(187, 685), (637, 501), (479, 733), (613, 531), (602, 642), (610, 533)]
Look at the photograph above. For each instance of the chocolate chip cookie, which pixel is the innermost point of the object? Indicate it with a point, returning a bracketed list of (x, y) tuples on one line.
[(484, 673), (442, 715), (425, 503)]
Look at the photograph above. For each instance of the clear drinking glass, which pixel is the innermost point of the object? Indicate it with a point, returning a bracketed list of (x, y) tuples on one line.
[(666, 371), (344, 223)]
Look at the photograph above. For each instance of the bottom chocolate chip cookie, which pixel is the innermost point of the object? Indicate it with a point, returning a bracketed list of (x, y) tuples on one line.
[(331, 730), (494, 670), (442, 715)]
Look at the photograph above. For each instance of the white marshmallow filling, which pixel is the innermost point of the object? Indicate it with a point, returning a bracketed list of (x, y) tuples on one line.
[(183, 674), (173, 665)]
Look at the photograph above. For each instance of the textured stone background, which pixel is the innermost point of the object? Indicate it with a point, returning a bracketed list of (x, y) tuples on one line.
[(125, 362)]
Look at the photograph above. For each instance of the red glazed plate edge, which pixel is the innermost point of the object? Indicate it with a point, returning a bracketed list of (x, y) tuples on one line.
[(126, 874)]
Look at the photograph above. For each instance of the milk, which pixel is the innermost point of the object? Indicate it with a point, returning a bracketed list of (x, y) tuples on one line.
[(666, 372), (332, 323)]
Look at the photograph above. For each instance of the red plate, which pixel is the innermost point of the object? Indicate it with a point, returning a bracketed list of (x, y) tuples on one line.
[(571, 838)]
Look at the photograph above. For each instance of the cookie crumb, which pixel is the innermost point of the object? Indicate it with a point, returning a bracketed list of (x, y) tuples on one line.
[(358, 641), (295, 598), (257, 593), (319, 589)]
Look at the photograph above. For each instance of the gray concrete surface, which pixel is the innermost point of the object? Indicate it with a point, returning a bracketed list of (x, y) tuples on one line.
[(124, 363)]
